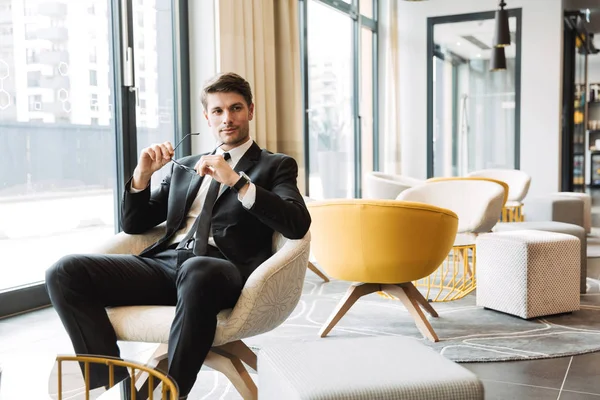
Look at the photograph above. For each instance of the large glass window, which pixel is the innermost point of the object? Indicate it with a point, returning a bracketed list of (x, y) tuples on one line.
[(340, 51), (68, 131), (58, 163), (331, 113)]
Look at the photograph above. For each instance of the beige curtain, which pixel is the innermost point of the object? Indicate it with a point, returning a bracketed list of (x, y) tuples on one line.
[(389, 86), (259, 39)]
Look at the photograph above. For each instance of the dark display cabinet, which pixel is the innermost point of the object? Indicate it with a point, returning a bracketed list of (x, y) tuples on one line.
[(574, 119)]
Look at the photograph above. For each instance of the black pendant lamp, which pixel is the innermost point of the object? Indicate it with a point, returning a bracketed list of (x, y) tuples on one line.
[(502, 34), (498, 59)]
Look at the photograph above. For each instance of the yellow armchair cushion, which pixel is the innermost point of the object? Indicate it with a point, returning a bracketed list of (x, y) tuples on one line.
[(380, 241)]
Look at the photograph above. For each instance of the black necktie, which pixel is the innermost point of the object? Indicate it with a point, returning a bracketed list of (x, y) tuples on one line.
[(201, 228)]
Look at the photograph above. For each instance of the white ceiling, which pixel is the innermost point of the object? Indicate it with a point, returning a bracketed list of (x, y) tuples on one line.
[(450, 36)]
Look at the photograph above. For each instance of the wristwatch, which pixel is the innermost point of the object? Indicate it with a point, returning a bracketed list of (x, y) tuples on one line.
[(243, 181)]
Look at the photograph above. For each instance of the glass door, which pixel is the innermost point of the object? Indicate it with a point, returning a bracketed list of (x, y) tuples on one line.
[(57, 132), (474, 120)]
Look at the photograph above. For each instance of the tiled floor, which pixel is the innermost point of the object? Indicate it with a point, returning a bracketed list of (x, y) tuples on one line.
[(566, 378)]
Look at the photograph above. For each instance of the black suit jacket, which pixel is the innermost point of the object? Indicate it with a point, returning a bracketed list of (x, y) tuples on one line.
[(243, 236)]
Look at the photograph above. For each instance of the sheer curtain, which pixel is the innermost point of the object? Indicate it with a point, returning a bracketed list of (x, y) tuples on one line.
[(259, 39), (389, 79)]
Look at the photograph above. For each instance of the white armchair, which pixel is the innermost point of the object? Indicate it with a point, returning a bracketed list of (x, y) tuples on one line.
[(268, 298), (382, 186), (478, 203), (518, 185)]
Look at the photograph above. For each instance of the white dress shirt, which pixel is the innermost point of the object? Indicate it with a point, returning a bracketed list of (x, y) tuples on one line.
[(247, 200)]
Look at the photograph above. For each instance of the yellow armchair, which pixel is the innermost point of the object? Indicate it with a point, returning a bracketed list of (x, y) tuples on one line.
[(383, 245)]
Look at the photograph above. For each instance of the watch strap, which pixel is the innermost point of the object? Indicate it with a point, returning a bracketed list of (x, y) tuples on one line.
[(243, 181)]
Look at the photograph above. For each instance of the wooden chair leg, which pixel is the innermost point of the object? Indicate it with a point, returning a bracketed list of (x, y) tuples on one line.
[(412, 305), (240, 350), (353, 293), (416, 294), (159, 361), (234, 370), (317, 271)]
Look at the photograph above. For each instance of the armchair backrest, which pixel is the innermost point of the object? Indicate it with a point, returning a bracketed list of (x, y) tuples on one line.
[(379, 185), (270, 294), (480, 178), (477, 203), (518, 181)]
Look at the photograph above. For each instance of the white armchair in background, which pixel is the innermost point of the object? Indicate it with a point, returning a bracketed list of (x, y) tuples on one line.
[(478, 203), (518, 185), (382, 186)]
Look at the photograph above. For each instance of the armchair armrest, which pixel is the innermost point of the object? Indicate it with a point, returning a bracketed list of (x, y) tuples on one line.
[(123, 243)]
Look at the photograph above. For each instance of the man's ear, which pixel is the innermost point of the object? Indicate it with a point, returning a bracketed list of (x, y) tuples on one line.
[(206, 116), (251, 112)]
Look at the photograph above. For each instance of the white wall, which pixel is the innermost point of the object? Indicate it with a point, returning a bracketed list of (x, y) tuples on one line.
[(203, 61), (541, 87)]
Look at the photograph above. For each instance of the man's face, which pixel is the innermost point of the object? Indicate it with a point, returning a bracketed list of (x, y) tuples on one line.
[(229, 117)]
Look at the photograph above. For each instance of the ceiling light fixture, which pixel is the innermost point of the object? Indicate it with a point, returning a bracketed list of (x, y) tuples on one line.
[(502, 33), (498, 59)]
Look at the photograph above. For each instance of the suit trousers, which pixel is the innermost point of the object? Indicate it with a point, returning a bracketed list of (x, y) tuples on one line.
[(82, 286)]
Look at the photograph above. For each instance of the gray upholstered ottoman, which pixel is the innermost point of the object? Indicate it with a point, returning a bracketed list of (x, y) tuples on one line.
[(559, 227), (554, 207), (587, 207), (365, 368), (528, 273)]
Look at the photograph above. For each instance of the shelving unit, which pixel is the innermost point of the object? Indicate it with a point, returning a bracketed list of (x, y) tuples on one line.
[(593, 134)]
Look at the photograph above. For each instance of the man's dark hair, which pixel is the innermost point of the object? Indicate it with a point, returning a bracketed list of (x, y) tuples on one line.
[(227, 82)]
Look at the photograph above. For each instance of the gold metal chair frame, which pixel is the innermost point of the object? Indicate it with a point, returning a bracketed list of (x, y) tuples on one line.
[(169, 388), (512, 214), (454, 279)]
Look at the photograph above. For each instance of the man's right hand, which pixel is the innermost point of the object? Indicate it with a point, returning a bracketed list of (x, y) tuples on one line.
[(151, 159)]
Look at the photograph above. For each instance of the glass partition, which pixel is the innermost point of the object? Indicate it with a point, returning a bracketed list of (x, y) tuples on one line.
[(474, 113)]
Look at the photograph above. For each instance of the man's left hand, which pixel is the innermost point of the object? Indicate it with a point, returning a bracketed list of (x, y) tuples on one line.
[(216, 167)]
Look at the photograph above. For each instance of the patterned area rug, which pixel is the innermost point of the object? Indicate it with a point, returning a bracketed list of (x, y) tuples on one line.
[(467, 333)]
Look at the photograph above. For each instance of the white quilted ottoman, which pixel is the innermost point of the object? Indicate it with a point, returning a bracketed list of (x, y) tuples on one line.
[(558, 227), (528, 273), (362, 369)]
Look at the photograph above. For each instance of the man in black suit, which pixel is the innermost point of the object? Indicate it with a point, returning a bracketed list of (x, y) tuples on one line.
[(209, 249)]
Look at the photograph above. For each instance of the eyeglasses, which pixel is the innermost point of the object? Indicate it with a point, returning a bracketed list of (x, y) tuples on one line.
[(185, 167)]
